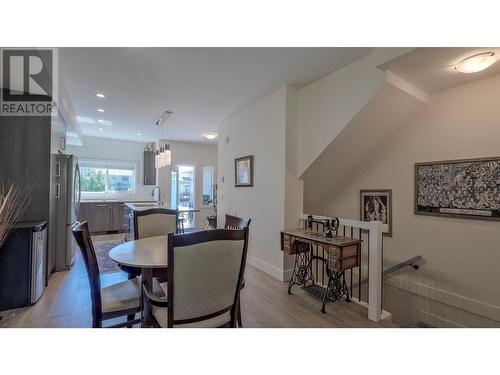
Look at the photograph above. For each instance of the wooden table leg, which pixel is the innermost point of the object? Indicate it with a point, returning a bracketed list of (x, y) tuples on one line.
[(146, 277)]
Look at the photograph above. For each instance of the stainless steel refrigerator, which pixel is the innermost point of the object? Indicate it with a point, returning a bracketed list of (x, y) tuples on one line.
[(68, 194)]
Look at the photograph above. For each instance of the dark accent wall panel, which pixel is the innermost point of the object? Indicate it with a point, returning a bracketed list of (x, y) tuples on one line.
[(25, 155)]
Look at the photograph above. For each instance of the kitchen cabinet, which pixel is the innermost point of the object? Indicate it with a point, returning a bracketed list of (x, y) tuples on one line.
[(102, 216), (149, 168)]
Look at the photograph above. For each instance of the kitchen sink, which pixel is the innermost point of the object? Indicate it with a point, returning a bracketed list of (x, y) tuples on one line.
[(146, 205)]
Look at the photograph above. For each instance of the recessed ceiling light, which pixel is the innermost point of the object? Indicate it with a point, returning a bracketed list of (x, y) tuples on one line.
[(100, 110), (139, 133), (99, 95), (210, 135), (100, 120), (476, 63), (101, 129)]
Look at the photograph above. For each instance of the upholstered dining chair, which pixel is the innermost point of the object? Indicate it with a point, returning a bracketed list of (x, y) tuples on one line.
[(235, 222), (116, 300), (155, 222), (204, 275)]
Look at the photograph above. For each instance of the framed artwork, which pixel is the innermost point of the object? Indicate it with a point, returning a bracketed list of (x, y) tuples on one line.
[(376, 205), (468, 188), (243, 171)]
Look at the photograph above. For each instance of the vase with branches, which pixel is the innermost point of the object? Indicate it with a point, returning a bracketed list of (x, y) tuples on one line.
[(14, 199)]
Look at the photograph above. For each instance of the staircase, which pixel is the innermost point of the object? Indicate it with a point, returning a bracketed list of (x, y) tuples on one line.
[(345, 117)]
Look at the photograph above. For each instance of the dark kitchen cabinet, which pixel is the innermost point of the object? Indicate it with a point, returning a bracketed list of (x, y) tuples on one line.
[(117, 220), (98, 216), (149, 168), (103, 216)]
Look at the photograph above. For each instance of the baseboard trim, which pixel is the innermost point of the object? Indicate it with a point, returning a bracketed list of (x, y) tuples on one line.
[(266, 267), (458, 301), (438, 321)]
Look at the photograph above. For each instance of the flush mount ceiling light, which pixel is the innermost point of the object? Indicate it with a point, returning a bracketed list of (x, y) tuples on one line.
[(101, 129), (476, 63), (100, 110), (139, 133), (99, 95), (100, 121), (210, 135)]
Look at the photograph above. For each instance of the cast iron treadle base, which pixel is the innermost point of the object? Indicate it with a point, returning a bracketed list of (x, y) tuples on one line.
[(316, 291)]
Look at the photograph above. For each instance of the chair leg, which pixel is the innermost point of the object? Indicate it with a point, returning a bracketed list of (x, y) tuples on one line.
[(238, 315), (130, 317)]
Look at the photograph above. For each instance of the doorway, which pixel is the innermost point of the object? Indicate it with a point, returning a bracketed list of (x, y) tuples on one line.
[(184, 189)]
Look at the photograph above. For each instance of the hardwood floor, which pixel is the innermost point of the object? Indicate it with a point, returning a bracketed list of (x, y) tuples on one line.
[(265, 303)]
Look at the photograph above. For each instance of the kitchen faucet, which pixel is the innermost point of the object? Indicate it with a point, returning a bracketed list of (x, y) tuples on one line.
[(158, 201)]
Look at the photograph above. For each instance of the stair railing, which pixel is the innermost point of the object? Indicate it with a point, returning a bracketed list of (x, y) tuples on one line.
[(370, 233)]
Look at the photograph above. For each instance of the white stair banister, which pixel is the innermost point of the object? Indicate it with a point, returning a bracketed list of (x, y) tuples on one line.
[(375, 279)]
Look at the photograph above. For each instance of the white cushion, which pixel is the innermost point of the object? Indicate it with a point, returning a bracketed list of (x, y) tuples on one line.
[(121, 296), (126, 295), (156, 225), (160, 314)]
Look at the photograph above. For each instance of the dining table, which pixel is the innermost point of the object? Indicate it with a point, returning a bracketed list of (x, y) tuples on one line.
[(146, 257)]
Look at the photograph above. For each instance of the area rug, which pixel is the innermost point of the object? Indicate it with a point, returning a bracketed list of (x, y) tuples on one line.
[(102, 249)]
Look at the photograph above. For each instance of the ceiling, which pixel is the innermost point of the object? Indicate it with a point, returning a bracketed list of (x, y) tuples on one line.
[(201, 86), (432, 69)]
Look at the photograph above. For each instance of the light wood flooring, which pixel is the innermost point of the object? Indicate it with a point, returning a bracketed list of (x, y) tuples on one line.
[(265, 303)]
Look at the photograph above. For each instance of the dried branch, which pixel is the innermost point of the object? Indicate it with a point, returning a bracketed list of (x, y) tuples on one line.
[(14, 199)]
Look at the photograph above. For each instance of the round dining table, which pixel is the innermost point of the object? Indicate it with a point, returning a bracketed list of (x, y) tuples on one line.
[(146, 257)]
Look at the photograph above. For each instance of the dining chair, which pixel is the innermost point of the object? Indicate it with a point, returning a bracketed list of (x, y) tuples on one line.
[(235, 222), (153, 222), (204, 275), (116, 300)]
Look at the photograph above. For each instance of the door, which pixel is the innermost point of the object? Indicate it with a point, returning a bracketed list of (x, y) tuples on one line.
[(186, 195), (174, 188)]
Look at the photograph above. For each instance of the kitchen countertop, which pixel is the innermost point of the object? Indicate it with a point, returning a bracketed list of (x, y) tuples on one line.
[(139, 207), (113, 201)]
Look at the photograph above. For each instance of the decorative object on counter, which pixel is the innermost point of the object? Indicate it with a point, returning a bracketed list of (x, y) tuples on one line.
[(468, 188), (14, 199), (376, 205), (163, 156), (243, 171)]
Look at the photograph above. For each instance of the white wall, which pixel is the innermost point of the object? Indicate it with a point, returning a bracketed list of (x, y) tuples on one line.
[(327, 105), (462, 256), (115, 150), (198, 155), (259, 130)]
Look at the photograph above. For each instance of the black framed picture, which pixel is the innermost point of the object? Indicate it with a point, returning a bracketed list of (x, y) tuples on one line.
[(243, 171), (467, 188), (376, 205)]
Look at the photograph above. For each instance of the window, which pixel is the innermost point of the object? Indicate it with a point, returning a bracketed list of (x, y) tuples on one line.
[(107, 177)]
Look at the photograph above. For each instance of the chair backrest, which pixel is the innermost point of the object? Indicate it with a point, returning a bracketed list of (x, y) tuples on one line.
[(154, 222), (82, 236), (205, 270), (235, 222)]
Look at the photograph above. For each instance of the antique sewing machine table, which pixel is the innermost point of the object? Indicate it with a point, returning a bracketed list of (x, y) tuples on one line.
[(342, 253)]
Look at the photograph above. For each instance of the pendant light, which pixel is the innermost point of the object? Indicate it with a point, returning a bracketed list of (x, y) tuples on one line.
[(163, 156)]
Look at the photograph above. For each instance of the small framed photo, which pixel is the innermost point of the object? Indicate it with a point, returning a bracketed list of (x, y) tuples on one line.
[(243, 171), (376, 205)]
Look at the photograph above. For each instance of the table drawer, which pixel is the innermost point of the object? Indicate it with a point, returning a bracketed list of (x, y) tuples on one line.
[(342, 258), (339, 265)]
